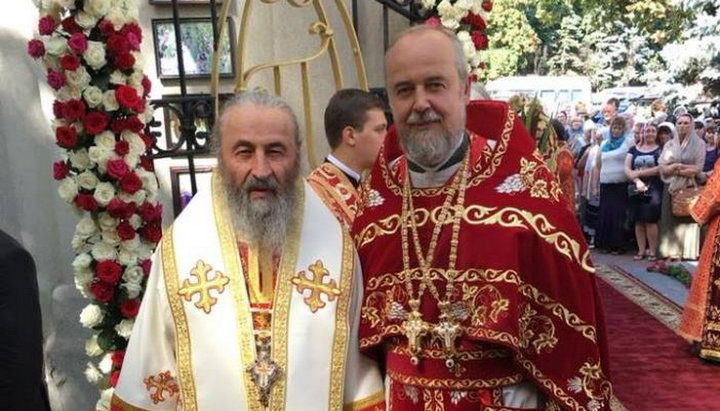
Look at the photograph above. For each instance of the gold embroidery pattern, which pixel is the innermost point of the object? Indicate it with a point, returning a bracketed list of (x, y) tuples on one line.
[(376, 400), (531, 177), (480, 215), (485, 303), (246, 339), (340, 338), (316, 286), (203, 286), (433, 400), (453, 384), (571, 319), (182, 335), (592, 382), (437, 354), (437, 274), (158, 385), (536, 330)]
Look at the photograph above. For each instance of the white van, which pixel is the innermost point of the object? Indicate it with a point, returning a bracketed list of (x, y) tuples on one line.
[(555, 92)]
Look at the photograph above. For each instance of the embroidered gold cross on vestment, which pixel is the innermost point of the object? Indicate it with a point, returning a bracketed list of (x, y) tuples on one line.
[(203, 286), (316, 286)]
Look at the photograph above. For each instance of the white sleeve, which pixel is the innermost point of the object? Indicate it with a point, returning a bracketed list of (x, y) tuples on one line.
[(148, 379), (363, 384)]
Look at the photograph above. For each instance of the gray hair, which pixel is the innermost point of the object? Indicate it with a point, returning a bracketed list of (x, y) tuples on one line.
[(461, 64), (255, 97)]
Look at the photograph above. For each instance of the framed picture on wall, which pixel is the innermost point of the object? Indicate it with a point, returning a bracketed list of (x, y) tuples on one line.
[(181, 187), (197, 48), (202, 113)]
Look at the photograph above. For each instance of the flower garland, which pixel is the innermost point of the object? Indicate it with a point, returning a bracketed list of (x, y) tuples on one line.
[(91, 50), (467, 18)]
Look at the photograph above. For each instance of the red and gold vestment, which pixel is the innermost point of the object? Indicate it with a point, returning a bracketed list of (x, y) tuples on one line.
[(336, 191)]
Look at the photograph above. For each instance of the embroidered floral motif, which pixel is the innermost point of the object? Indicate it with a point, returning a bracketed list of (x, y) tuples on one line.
[(373, 198), (161, 384), (533, 176), (537, 330), (412, 393), (457, 396), (592, 382), (511, 185)]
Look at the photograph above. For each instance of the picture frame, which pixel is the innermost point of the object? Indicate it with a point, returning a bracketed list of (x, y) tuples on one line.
[(203, 124), (181, 188), (197, 40)]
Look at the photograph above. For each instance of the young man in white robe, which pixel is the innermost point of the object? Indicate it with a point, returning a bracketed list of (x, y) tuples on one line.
[(253, 299)]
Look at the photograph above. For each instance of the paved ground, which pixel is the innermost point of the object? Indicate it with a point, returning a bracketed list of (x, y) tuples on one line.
[(667, 286)]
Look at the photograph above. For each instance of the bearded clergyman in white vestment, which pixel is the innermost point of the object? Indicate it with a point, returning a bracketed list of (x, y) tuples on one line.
[(253, 299)]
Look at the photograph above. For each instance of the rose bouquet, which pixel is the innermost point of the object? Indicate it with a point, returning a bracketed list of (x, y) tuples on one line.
[(467, 18), (91, 51)]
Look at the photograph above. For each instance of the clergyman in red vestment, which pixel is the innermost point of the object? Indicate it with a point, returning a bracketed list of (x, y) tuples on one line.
[(479, 290)]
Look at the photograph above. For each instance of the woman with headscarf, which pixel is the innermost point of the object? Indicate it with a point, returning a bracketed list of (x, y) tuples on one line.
[(666, 132), (681, 163), (611, 232)]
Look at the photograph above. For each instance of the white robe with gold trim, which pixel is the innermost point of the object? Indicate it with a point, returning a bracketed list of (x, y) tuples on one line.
[(193, 353)]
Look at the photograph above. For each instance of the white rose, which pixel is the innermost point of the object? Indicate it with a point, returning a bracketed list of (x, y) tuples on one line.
[(124, 328), (104, 193), (99, 155), (91, 316), (135, 221), (133, 274), (139, 196), (86, 226), (95, 54), (117, 77), (69, 92), (105, 140), (117, 17), (132, 160), (149, 181), (83, 278), (98, 8), (79, 77), (126, 257), (103, 403), (133, 290), (446, 10), (92, 349), (82, 261), (107, 222), (144, 251), (87, 180), (105, 365), (80, 159), (67, 189), (56, 46), (428, 4), (463, 5), (111, 237), (135, 142), (147, 115), (93, 96), (92, 374), (104, 251), (78, 244), (110, 101), (135, 79), (131, 244), (450, 23), (86, 20)]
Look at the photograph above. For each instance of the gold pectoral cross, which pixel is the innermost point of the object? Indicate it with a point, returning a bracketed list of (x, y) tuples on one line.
[(448, 330), (264, 372), (414, 328)]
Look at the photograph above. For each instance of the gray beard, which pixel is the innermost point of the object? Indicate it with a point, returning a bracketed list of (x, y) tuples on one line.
[(428, 148), (266, 221)]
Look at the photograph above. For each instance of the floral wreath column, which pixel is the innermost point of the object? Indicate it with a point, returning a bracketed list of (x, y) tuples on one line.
[(91, 50)]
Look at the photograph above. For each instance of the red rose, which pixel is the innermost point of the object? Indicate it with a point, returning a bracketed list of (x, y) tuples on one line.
[(60, 170), (122, 148), (133, 33), (36, 48), (57, 108), (46, 25), (55, 79), (127, 97), (487, 5), (147, 86), (130, 308), (146, 266), (151, 232), (69, 25), (476, 21), (95, 122), (118, 125), (125, 231), (147, 140), (124, 61), (120, 209), (117, 357), (106, 28), (73, 110), (85, 202), (101, 291), (479, 39), (117, 44), (69, 62), (66, 136), (130, 183), (146, 163), (150, 213), (134, 124), (117, 168), (108, 271), (114, 377), (78, 43)]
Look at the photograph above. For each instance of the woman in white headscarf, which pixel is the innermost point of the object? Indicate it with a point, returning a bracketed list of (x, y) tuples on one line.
[(681, 163)]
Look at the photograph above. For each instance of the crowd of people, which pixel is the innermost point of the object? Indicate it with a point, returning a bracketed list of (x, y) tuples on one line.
[(626, 171)]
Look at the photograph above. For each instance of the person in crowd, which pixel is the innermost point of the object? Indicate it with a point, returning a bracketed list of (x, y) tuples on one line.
[(638, 131), (611, 234), (22, 381), (711, 150), (355, 126), (575, 134), (699, 318), (449, 176), (564, 165), (645, 191), (590, 191), (658, 111), (630, 126), (699, 128), (666, 132), (562, 117), (234, 316), (681, 163)]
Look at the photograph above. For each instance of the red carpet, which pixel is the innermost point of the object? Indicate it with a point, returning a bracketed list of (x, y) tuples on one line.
[(651, 366)]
